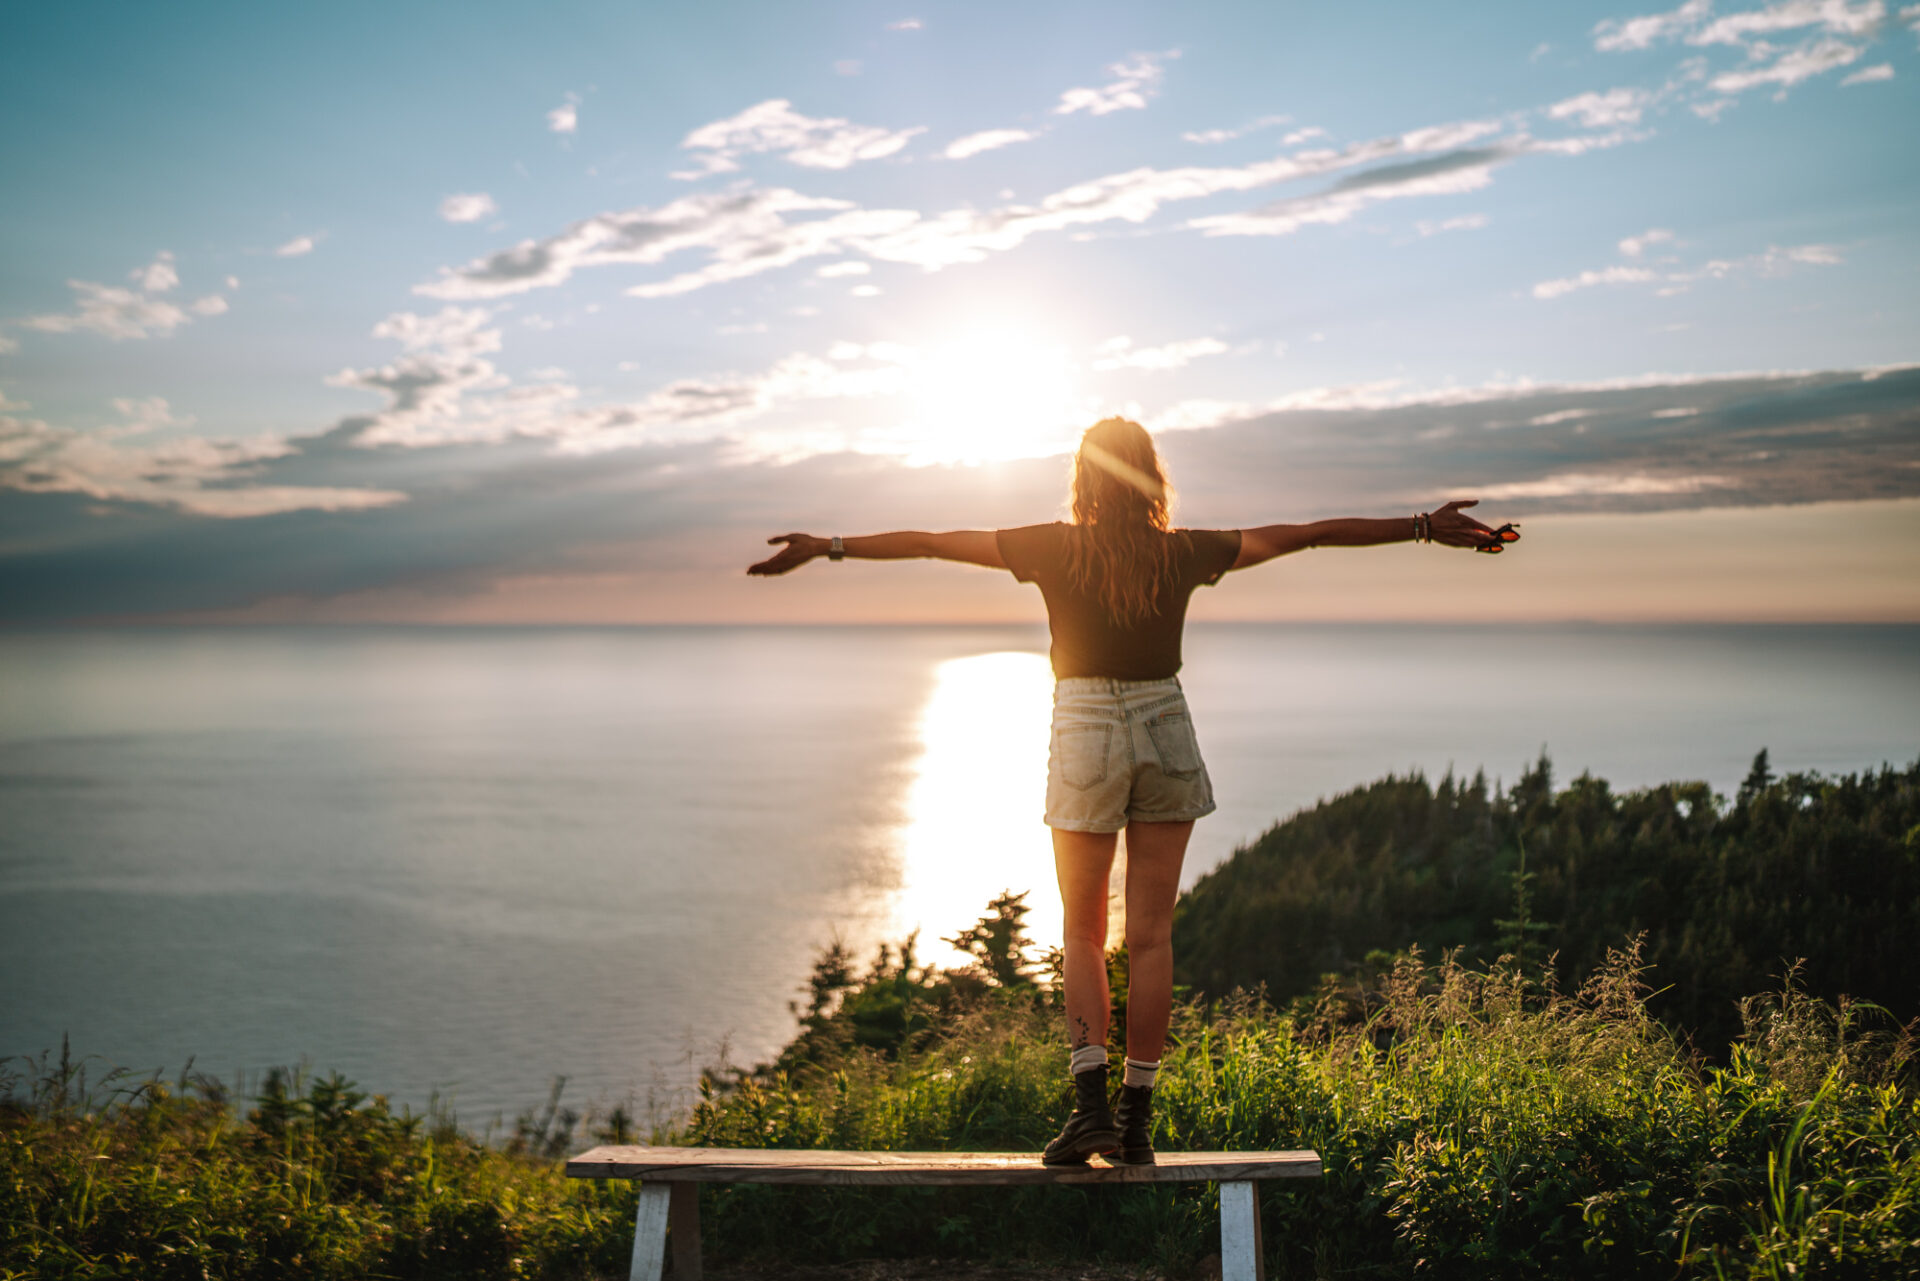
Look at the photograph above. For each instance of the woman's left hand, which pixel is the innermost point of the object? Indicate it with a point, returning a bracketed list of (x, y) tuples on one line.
[(1453, 527)]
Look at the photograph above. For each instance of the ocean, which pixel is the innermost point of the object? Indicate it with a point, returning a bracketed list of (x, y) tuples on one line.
[(464, 861)]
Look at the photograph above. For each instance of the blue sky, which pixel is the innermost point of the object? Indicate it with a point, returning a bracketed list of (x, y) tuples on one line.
[(485, 313)]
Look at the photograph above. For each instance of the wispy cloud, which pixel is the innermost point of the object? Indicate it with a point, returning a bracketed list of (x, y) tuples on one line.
[(1791, 67), (1616, 35), (469, 206), (1634, 246), (298, 247), (1464, 222), (1840, 27), (158, 276), (1775, 260), (906, 24), (121, 314), (1137, 78), (1604, 110), (565, 118), (1209, 137), (1575, 484), (1834, 16), (1448, 174), (1120, 353), (1694, 22), (774, 126), (745, 221), (1199, 414), (986, 140), (1869, 75)]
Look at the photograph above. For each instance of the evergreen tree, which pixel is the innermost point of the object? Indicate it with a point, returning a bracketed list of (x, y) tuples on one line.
[(1728, 896)]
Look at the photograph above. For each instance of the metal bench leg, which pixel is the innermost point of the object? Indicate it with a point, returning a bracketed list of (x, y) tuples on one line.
[(650, 1232), (683, 1222), (1241, 1258)]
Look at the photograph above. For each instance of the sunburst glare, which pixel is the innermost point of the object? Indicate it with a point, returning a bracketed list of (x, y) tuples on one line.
[(994, 393)]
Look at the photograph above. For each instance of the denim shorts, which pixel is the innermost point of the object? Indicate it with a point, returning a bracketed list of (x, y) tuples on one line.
[(1123, 750)]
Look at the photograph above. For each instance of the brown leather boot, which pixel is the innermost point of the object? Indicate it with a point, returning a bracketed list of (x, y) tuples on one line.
[(1135, 1118), (1090, 1131)]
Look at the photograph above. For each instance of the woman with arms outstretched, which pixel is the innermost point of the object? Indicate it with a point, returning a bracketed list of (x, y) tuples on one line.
[(1116, 580)]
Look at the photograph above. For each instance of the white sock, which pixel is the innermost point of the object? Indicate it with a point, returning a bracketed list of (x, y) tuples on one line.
[(1087, 1056), (1138, 1073)]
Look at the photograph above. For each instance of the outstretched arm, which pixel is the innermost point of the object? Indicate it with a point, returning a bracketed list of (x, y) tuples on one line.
[(1448, 525), (971, 546)]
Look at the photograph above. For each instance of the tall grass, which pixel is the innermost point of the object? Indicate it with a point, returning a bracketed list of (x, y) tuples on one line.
[(136, 1177), (1473, 1123)]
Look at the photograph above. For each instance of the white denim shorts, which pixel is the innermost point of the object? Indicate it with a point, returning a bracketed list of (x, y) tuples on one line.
[(1123, 750)]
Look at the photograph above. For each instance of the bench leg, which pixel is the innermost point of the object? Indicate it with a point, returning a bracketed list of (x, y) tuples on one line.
[(650, 1232), (1241, 1258), (683, 1222)]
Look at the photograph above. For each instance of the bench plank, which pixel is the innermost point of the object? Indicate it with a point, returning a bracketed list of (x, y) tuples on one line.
[(922, 1169)]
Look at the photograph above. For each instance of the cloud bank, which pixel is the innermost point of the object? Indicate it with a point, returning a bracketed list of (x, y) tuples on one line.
[(457, 516)]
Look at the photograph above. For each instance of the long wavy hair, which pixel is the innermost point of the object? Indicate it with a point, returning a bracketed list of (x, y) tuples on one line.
[(1119, 552)]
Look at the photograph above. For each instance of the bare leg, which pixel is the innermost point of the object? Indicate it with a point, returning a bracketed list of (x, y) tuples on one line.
[(1083, 861), (1154, 854)]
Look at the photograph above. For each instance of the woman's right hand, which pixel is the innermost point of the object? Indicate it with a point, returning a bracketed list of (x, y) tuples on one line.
[(799, 549)]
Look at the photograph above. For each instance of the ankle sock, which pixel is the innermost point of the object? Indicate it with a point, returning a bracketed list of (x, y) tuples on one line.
[(1087, 1056), (1140, 1073)]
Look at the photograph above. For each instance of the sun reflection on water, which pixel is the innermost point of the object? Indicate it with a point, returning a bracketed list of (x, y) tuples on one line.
[(974, 807)]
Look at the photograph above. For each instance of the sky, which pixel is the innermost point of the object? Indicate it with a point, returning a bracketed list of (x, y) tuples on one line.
[(482, 313)]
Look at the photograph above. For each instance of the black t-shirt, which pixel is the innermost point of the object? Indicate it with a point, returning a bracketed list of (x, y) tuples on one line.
[(1087, 640)]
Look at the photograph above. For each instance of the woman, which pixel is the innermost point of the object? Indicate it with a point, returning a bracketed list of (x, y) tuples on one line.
[(1116, 580)]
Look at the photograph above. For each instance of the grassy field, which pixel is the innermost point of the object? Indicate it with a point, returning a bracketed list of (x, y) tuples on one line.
[(1472, 1123)]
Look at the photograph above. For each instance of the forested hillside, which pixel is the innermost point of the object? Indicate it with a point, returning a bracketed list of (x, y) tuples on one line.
[(1729, 892)]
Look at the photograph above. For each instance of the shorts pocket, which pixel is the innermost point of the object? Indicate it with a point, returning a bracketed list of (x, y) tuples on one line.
[(1080, 754), (1175, 744)]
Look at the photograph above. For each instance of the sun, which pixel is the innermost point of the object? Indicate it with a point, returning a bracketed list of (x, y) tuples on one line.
[(989, 395)]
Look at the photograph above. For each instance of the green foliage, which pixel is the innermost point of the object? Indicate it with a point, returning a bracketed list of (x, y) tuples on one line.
[(1473, 1123), (141, 1178), (1727, 894), (900, 1002), (998, 942)]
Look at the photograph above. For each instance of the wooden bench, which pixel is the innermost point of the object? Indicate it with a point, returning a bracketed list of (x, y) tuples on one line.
[(670, 1179)]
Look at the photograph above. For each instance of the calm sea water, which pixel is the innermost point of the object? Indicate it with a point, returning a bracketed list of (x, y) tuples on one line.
[(468, 860)]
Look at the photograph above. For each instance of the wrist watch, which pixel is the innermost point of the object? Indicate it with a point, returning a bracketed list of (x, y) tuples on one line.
[(836, 549)]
